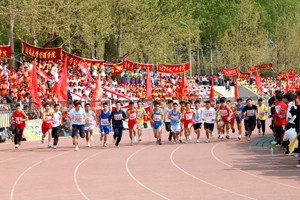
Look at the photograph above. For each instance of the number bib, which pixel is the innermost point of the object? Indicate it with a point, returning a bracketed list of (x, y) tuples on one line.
[(250, 113), (261, 112), (156, 118), (89, 120), (104, 122), (208, 114), (132, 116), (18, 120), (223, 112), (238, 113), (55, 121), (174, 118), (118, 117), (189, 116), (140, 115), (78, 118)]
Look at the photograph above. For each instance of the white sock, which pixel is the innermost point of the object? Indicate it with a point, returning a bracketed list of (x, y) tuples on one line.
[(49, 143)]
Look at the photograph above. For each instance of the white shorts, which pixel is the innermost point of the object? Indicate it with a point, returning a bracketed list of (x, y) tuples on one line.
[(175, 129), (89, 128), (140, 126)]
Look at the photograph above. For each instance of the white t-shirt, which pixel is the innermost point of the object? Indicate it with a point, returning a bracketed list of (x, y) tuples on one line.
[(166, 112), (289, 135), (209, 115)]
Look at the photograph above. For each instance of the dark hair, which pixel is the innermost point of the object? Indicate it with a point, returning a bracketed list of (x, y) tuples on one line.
[(228, 101), (260, 99), (182, 102), (46, 104), (277, 92), (289, 96), (240, 99), (156, 103), (248, 99), (278, 97), (139, 102), (170, 101), (78, 103), (217, 102), (197, 101), (118, 102), (87, 104), (222, 100), (105, 104), (75, 101), (131, 103), (56, 105), (207, 101), (18, 105), (187, 103), (175, 104)]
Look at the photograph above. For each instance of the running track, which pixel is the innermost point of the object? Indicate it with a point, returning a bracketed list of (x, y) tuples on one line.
[(230, 169)]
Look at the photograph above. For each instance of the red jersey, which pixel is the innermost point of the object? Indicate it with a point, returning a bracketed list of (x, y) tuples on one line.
[(280, 117), (188, 115), (17, 118), (224, 113), (48, 116), (132, 116)]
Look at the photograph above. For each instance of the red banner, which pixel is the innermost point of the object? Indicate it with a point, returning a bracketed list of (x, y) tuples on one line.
[(42, 53), (5, 52), (86, 71), (148, 111), (264, 66), (130, 66), (229, 72), (145, 66), (91, 62), (252, 69), (167, 69), (43, 74), (115, 68), (281, 76), (243, 75), (71, 59), (291, 72)]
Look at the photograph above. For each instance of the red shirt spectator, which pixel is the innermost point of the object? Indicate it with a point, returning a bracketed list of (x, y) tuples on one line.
[(280, 117)]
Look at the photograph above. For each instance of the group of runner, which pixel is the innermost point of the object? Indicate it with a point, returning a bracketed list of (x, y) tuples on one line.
[(179, 121)]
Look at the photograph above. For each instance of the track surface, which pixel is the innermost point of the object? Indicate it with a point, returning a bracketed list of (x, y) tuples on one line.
[(230, 169)]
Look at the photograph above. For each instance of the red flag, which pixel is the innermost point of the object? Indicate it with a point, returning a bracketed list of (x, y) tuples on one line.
[(182, 86), (85, 70), (148, 86), (97, 96), (33, 85), (287, 88), (236, 92), (61, 87), (212, 91), (116, 93), (258, 83)]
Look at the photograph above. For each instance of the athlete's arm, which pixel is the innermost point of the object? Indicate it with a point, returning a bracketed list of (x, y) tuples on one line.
[(60, 119), (151, 117), (145, 113), (71, 124), (127, 114), (169, 115), (163, 117), (230, 112), (195, 115)]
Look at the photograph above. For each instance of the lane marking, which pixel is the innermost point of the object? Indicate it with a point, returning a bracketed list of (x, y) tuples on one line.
[(13, 188), (257, 176), (127, 168), (75, 172), (171, 158)]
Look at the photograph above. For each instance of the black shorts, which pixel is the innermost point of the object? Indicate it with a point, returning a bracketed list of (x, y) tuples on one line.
[(56, 131), (77, 128), (209, 126), (250, 125), (168, 126), (197, 126)]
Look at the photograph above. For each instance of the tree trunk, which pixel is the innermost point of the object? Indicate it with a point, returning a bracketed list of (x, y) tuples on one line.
[(211, 59), (119, 33), (95, 50), (11, 34), (197, 63)]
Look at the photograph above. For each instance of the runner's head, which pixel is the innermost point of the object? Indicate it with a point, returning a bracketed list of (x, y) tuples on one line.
[(118, 105), (197, 104), (56, 107), (75, 101), (77, 106), (105, 106), (170, 103), (131, 105), (288, 97), (278, 97), (18, 108), (207, 104), (182, 104), (188, 105), (139, 104), (239, 101), (228, 102), (47, 106), (260, 101), (87, 107), (175, 106), (156, 105), (249, 102), (222, 101)]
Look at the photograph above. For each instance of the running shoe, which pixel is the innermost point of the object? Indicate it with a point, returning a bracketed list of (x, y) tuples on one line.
[(197, 141), (263, 134), (277, 145), (104, 145), (118, 146), (246, 133), (239, 137), (88, 144), (219, 136), (222, 138), (91, 138), (43, 141), (174, 142), (186, 141), (190, 138), (54, 147), (16, 146), (140, 139), (258, 132), (134, 138), (49, 146), (76, 148), (180, 139), (101, 138), (132, 143), (114, 141), (211, 135), (159, 142), (227, 137), (248, 138), (177, 137), (274, 142), (298, 165), (208, 141), (233, 131)]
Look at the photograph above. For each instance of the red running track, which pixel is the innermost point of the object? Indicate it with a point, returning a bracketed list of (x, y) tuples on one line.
[(230, 169)]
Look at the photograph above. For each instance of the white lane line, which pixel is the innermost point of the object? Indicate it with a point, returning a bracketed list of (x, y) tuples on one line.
[(75, 172), (13, 189), (138, 180), (171, 157), (257, 176), (2, 161)]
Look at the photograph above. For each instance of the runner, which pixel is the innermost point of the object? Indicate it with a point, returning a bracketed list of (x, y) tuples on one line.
[(117, 116), (157, 118), (89, 124), (181, 110), (167, 111), (209, 116), (225, 113), (175, 118), (261, 120), (232, 117), (188, 121), (56, 124), (18, 119), (140, 119), (238, 115), (131, 115), (197, 119), (47, 124), (104, 123), (249, 112), (77, 119)]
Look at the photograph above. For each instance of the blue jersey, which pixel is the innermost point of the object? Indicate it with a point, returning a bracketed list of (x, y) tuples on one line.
[(157, 119), (198, 116), (175, 118), (238, 111), (104, 119)]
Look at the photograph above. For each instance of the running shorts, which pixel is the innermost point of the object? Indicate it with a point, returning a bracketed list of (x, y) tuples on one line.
[(105, 129), (197, 126), (209, 126), (250, 125), (175, 129)]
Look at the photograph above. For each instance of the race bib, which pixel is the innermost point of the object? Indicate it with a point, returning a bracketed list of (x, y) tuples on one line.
[(104, 122), (140, 115), (89, 120), (223, 112), (18, 120), (238, 113), (189, 116), (48, 117), (208, 114), (78, 118), (118, 117), (250, 113), (132, 116), (156, 118), (261, 112), (174, 118)]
